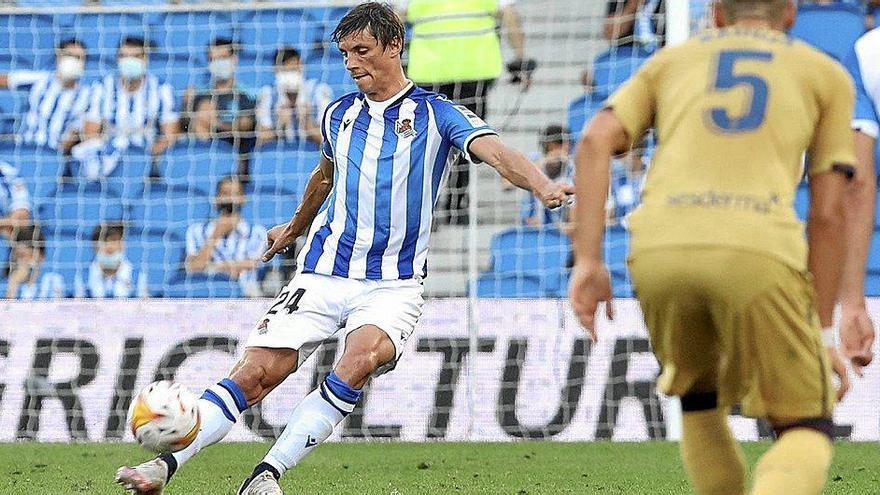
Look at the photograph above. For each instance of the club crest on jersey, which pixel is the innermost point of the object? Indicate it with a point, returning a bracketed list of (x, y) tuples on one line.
[(404, 129), (263, 327)]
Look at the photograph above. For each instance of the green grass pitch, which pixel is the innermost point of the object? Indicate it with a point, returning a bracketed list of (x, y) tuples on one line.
[(407, 468)]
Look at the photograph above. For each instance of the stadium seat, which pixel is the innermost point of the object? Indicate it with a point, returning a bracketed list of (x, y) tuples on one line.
[(264, 31), (163, 208), (30, 38), (802, 200), (276, 166), (614, 66), (70, 256), (40, 168), (201, 285), (132, 3), (198, 166), (188, 34), (509, 285), (580, 111), (616, 249), (540, 252), (814, 23), (180, 71), (102, 32), (255, 70), (4, 257), (269, 207), (157, 256), (77, 211), (872, 284)]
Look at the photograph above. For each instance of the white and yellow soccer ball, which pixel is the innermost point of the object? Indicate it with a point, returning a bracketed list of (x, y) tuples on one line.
[(164, 417)]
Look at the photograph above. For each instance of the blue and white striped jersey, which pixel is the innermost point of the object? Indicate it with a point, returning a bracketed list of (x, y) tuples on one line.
[(314, 97), (863, 65), (14, 193), (49, 285), (132, 119), (53, 110), (389, 160), (246, 242)]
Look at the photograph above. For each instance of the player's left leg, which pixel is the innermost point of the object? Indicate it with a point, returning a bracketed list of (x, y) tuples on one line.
[(367, 350)]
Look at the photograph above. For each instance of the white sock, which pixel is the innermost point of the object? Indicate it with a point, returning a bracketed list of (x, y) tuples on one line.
[(219, 408), (312, 421)]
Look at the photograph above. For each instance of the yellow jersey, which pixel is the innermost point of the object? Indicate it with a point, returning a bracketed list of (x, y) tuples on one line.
[(734, 111)]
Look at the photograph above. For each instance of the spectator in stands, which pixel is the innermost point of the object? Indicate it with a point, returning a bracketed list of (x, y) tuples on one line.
[(635, 21), (57, 101), (15, 200), (555, 160), (110, 275), (463, 68), (202, 119), (291, 110), (129, 109), (26, 280), (234, 105), (228, 244)]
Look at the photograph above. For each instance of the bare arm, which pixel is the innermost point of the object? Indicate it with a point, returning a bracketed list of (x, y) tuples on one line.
[(16, 218), (320, 183), (858, 204), (198, 263), (166, 138), (825, 230), (91, 129), (512, 25), (4, 81), (310, 127)]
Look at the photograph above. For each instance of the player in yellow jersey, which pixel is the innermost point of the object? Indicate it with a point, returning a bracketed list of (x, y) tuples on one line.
[(732, 297)]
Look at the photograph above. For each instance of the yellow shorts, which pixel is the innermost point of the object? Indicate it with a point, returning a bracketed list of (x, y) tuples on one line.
[(737, 323)]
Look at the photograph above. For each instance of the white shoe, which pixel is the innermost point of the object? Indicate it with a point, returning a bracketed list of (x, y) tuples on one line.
[(263, 484), (144, 479)]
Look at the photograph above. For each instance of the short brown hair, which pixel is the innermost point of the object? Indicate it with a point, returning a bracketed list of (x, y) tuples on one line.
[(376, 18), (767, 9)]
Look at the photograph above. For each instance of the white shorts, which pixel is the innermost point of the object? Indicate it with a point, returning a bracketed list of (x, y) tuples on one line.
[(312, 308)]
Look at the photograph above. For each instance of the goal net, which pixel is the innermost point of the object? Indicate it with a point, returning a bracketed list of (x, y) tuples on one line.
[(497, 354)]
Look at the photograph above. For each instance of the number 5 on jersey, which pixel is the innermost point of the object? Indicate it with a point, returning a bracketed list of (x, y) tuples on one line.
[(727, 79)]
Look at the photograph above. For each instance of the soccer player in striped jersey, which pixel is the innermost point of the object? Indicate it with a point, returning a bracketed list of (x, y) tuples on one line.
[(856, 327), (131, 107), (368, 210), (57, 101)]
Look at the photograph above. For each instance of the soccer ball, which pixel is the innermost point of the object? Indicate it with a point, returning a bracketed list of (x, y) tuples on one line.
[(164, 417)]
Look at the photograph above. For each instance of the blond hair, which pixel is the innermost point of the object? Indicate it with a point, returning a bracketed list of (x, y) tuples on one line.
[(763, 9)]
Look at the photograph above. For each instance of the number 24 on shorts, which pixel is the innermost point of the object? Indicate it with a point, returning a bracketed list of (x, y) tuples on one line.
[(288, 300)]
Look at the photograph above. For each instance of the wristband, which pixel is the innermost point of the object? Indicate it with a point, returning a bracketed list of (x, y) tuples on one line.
[(829, 337)]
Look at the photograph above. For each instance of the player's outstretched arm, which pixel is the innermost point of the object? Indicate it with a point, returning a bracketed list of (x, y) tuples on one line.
[(590, 282), (856, 327), (281, 237), (515, 167)]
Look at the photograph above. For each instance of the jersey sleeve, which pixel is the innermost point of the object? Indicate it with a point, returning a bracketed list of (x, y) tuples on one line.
[(865, 118), (18, 79), (459, 125), (264, 108), (192, 243), (635, 102), (168, 112), (833, 142), (20, 198), (93, 113)]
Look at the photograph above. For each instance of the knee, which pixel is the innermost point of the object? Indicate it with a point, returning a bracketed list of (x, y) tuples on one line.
[(356, 366), (254, 374)]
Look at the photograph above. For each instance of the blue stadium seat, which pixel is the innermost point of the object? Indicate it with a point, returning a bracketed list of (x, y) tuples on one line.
[(616, 249), (814, 23), (198, 166), (277, 166), (156, 255), (78, 211), (40, 168), (30, 38), (872, 284), (188, 34), (132, 3), (540, 252), (509, 285), (164, 208), (47, 3), (264, 31), (873, 264), (802, 201), (180, 71), (580, 111), (328, 68), (614, 66), (269, 207), (255, 70), (4, 257), (200, 285), (70, 256)]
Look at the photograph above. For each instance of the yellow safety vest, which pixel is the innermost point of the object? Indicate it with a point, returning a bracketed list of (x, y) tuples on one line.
[(453, 40)]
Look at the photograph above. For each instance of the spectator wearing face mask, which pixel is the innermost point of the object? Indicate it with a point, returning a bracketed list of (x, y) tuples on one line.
[(111, 274), (129, 109), (292, 109), (227, 244), (234, 119), (26, 279), (556, 161), (57, 100)]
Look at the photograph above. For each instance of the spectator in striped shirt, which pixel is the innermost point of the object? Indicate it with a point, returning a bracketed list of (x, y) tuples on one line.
[(15, 201), (290, 109), (131, 108), (57, 100), (111, 274), (26, 280), (228, 244)]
